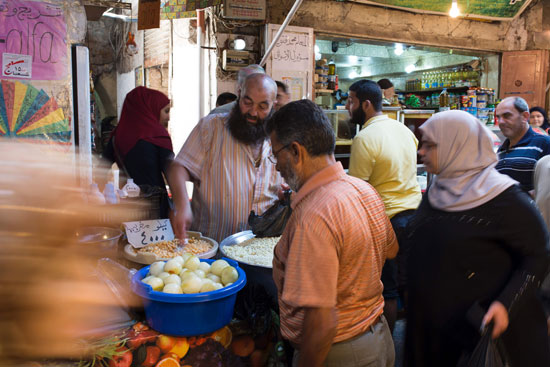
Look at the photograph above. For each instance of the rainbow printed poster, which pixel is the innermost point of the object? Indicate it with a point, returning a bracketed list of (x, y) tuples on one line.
[(29, 113)]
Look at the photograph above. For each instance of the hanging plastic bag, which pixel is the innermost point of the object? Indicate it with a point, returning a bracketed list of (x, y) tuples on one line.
[(272, 222), (488, 352)]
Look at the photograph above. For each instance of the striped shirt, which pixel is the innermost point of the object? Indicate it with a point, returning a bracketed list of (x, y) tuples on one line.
[(519, 161), (228, 185), (331, 254)]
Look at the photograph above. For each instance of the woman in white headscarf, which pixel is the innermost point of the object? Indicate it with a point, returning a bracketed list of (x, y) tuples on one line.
[(478, 253), (542, 198)]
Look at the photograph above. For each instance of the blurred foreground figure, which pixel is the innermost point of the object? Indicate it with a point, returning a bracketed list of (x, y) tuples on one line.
[(50, 296)]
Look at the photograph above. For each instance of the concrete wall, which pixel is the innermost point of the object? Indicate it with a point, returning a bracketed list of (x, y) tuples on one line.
[(531, 30), (184, 114)]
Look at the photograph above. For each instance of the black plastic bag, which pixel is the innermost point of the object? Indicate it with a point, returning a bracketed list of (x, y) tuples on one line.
[(488, 352), (272, 222)]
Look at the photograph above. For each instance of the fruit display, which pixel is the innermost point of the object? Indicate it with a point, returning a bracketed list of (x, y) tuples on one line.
[(187, 274), (141, 346)]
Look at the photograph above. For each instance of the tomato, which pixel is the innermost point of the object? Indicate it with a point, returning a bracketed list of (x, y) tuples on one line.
[(123, 360), (153, 354)]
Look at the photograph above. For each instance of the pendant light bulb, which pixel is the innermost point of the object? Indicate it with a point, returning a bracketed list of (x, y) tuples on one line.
[(454, 12)]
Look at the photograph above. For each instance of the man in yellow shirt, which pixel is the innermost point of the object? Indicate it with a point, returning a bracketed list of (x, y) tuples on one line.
[(384, 154)]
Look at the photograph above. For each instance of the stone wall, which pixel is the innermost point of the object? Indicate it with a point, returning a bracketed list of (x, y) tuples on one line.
[(531, 30)]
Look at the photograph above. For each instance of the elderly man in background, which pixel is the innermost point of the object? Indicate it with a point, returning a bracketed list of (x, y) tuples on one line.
[(241, 77), (328, 262), (523, 147), (226, 157)]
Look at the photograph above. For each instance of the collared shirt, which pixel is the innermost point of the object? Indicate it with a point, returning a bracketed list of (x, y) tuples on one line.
[(228, 184), (519, 161), (331, 254), (384, 154)]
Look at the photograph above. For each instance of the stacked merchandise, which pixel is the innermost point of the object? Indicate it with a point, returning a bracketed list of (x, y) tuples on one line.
[(480, 102)]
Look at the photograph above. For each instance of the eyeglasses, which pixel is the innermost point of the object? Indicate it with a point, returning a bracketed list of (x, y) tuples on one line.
[(273, 156)]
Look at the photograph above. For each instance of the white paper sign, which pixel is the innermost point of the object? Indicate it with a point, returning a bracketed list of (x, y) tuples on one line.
[(142, 233), (17, 66)]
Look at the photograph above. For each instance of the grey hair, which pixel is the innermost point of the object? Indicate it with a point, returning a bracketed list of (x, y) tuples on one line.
[(521, 105), (246, 71)]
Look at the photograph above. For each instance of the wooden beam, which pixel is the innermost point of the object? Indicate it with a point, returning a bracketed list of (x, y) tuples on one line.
[(108, 4)]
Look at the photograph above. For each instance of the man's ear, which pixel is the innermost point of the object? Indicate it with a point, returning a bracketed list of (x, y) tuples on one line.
[(526, 115), (365, 105), (296, 151)]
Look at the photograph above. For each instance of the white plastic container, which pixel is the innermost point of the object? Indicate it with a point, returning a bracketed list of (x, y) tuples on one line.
[(131, 188), (109, 193), (94, 196)]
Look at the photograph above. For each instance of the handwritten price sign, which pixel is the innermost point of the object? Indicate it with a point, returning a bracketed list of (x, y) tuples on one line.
[(16, 66), (142, 233)]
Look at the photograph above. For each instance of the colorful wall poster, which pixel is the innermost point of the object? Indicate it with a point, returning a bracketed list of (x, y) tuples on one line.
[(29, 113), (37, 29)]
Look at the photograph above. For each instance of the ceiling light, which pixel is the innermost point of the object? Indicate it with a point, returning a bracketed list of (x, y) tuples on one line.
[(410, 68), (353, 59), (398, 49), (454, 12), (353, 74), (237, 44)]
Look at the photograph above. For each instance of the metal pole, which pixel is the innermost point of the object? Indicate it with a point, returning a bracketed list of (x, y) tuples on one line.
[(200, 22), (281, 30)]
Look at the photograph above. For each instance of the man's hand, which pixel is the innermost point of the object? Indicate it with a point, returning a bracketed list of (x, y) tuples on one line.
[(181, 221), (318, 333), (182, 216), (498, 314), (281, 192)]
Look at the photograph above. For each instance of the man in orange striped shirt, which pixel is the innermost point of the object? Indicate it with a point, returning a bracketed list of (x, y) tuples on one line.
[(328, 262), (226, 157)]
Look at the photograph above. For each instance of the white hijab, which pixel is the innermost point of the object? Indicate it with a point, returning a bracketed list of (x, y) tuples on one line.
[(466, 175), (542, 188)]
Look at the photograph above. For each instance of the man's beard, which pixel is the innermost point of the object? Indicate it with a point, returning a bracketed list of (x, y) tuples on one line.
[(290, 177), (358, 116), (244, 131)]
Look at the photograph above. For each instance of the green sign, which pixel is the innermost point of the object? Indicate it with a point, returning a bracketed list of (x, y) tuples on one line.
[(489, 9)]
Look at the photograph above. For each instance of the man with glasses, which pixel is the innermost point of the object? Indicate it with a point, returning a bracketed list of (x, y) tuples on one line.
[(226, 157), (328, 261)]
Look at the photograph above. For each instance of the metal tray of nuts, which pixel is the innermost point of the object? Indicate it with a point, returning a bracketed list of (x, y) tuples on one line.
[(147, 258)]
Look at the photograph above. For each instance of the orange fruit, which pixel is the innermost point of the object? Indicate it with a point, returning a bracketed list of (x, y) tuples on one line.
[(223, 336), (165, 342), (180, 348), (168, 362), (243, 345)]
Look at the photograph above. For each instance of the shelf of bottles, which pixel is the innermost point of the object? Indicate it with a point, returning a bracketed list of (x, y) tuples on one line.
[(460, 77), (455, 89)]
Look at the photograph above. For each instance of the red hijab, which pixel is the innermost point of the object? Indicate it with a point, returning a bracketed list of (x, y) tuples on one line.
[(140, 120)]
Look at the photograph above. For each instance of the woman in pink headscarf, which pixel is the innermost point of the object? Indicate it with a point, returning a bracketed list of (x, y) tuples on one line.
[(477, 253), (140, 144)]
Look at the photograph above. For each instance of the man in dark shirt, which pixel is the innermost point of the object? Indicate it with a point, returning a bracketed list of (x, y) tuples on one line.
[(523, 147)]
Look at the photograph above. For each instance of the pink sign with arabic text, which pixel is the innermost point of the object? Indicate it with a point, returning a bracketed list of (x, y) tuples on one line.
[(39, 30)]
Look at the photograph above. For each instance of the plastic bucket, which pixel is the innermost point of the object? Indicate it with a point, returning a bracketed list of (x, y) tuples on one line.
[(188, 314)]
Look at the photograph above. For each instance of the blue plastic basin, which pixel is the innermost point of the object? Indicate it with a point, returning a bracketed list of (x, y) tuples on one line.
[(188, 314)]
